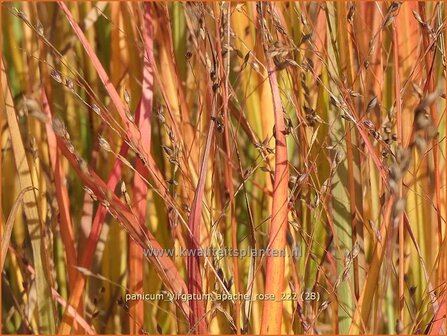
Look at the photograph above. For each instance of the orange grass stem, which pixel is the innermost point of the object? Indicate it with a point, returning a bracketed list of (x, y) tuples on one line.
[(272, 310), (136, 265), (197, 318), (401, 140)]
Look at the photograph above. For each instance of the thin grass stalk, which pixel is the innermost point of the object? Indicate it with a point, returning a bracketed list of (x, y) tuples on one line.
[(6, 234), (197, 318), (274, 282), (62, 196), (2, 228), (140, 187), (363, 308), (5, 227), (340, 196), (444, 265), (410, 67), (353, 159), (397, 90), (35, 226), (225, 23), (428, 88)]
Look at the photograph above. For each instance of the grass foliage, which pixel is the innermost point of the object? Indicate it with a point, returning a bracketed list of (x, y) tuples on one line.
[(316, 127)]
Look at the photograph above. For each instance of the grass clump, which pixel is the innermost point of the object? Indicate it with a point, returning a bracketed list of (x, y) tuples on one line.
[(315, 131)]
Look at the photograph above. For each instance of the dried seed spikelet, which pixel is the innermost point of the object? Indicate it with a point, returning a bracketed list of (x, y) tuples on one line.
[(420, 143), (90, 193), (418, 18), (187, 208), (399, 168), (337, 283), (422, 119), (70, 147), (394, 187), (173, 161), (372, 103), (345, 274), (125, 193), (355, 250), (168, 150), (387, 128), (106, 204), (83, 166), (391, 13), (29, 106), (219, 123), (69, 83), (351, 12), (417, 89), (59, 128), (130, 116), (32, 147), (20, 14), (324, 305), (292, 181), (96, 109), (56, 76), (172, 182), (347, 259), (354, 93), (369, 124), (395, 176), (376, 135), (339, 156), (160, 115), (346, 116), (39, 28), (127, 97), (103, 143), (311, 118), (399, 206), (305, 38), (125, 161), (404, 158)]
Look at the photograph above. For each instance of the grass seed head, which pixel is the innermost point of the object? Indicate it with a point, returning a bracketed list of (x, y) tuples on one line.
[(127, 97), (104, 144), (56, 76), (90, 193), (130, 117), (59, 128), (125, 193), (372, 104), (96, 109), (39, 28), (69, 83)]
